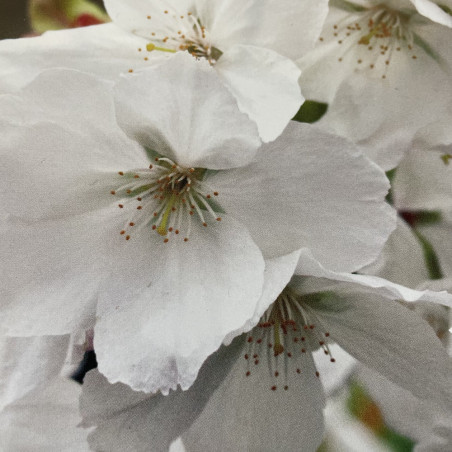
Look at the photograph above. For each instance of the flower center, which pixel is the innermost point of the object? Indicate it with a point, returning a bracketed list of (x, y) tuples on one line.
[(187, 34), (287, 332), (166, 197), (373, 36)]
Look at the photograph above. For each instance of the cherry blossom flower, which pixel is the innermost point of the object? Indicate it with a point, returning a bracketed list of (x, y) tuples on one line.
[(272, 366), (162, 236), (251, 46), (384, 70)]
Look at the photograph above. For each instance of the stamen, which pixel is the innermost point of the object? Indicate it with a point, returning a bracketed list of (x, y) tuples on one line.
[(163, 190), (279, 333)]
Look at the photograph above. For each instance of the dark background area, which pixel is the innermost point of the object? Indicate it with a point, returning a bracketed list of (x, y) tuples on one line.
[(13, 18)]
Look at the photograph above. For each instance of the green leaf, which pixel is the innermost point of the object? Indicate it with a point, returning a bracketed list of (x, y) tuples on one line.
[(431, 259), (311, 111)]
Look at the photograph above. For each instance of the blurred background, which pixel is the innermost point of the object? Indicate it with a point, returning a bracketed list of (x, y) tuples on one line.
[(13, 18)]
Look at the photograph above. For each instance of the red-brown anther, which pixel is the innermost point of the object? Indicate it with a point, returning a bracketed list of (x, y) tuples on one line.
[(219, 219), (127, 237), (205, 225), (255, 356), (136, 176), (121, 173), (131, 224), (170, 229), (215, 193), (248, 374), (332, 360), (276, 374), (165, 240), (303, 350), (154, 227), (327, 334), (246, 356), (208, 196), (139, 207), (250, 339), (303, 338), (113, 192), (176, 231), (289, 355), (317, 374), (120, 206), (321, 343), (259, 341), (273, 388), (122, 232), (298, 371), (186, 239), (256, 362), (311, 327), (286, 388)]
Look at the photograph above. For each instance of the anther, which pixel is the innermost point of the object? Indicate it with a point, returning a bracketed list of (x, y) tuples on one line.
[(128, 237)]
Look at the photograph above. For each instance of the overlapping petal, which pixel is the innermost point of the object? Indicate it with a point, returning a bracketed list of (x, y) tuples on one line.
[(104, 50), (306, 177), (262, 82), (182, 129)]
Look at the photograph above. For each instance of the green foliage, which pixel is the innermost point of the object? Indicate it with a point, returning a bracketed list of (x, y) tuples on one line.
[(311, 111)]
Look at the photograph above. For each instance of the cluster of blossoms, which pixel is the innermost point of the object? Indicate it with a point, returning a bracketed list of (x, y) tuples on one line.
[(227, 265)]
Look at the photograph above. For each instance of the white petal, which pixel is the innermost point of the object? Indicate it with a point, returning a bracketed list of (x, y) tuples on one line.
[(66, 159), (311, 189), (245, 413), (129, 420), (433, 11), (390, 339), (278, 272), (29, 363), (308, 266), (384, 119), (143, 17), (422, 180), (290, 27), (172, 304), (402, 260), (265, 86), (45, 421), (334, 377), (104, 50), (51, 273), (193, 120)]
